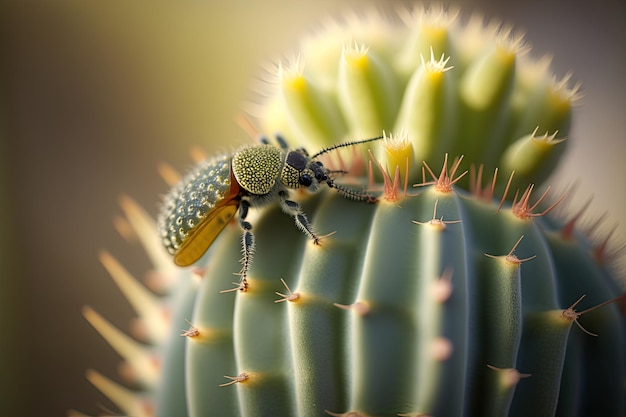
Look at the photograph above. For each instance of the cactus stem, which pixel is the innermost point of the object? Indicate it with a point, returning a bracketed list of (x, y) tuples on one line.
[(242, 377), (290, 296), (431, 327)]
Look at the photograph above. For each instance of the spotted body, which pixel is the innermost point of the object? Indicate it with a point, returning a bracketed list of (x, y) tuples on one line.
[(257, 168), (191, 203), (198, 208)]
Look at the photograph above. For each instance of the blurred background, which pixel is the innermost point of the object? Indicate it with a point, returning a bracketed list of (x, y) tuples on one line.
[(93, 95)]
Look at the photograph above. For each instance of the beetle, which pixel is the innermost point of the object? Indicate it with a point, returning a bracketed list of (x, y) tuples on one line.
[(197, 209)]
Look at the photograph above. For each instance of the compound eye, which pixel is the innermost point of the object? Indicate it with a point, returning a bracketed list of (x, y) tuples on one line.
[(296, 160), (318, 171), (306, 180)]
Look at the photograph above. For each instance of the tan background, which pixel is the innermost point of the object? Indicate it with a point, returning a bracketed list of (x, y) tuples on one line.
[(95, 94)]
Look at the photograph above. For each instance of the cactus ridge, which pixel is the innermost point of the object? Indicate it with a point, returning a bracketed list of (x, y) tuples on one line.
[(479, 332)]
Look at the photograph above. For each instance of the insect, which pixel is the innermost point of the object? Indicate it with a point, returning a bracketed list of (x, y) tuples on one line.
[(198, 208)]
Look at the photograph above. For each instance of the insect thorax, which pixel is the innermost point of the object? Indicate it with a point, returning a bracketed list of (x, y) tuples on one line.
[(290, 174), (257, 168)]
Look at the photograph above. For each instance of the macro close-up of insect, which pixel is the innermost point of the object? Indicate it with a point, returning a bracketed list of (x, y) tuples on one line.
[(304, 208), (198, 208)]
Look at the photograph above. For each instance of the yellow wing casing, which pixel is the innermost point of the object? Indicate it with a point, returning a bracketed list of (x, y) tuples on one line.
[(204, 234)]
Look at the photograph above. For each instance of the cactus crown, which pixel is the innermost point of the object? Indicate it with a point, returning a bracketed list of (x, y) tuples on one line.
[(450, 87)]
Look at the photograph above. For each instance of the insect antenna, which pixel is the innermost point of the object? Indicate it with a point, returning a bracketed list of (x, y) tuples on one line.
[(345, 144), (336, 171), (353, 194), (282, 142)]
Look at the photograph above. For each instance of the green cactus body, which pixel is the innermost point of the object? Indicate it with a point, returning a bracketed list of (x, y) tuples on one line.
[(418, 305)]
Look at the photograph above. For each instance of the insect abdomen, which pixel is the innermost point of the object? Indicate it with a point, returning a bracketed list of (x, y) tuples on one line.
[(188, 203)]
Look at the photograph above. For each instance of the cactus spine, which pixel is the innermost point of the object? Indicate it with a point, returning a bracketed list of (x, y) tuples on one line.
[(449, 299)]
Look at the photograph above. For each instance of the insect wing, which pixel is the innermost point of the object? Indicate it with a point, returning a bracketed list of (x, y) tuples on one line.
[(197, 209), (198, 242)]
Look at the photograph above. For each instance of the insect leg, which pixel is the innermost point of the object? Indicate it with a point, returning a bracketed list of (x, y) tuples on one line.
[(247, 244), (293, 209), (279, 139), (282, 142)]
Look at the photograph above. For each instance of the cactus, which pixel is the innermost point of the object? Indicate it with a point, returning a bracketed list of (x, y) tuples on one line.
[(454, 295)]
